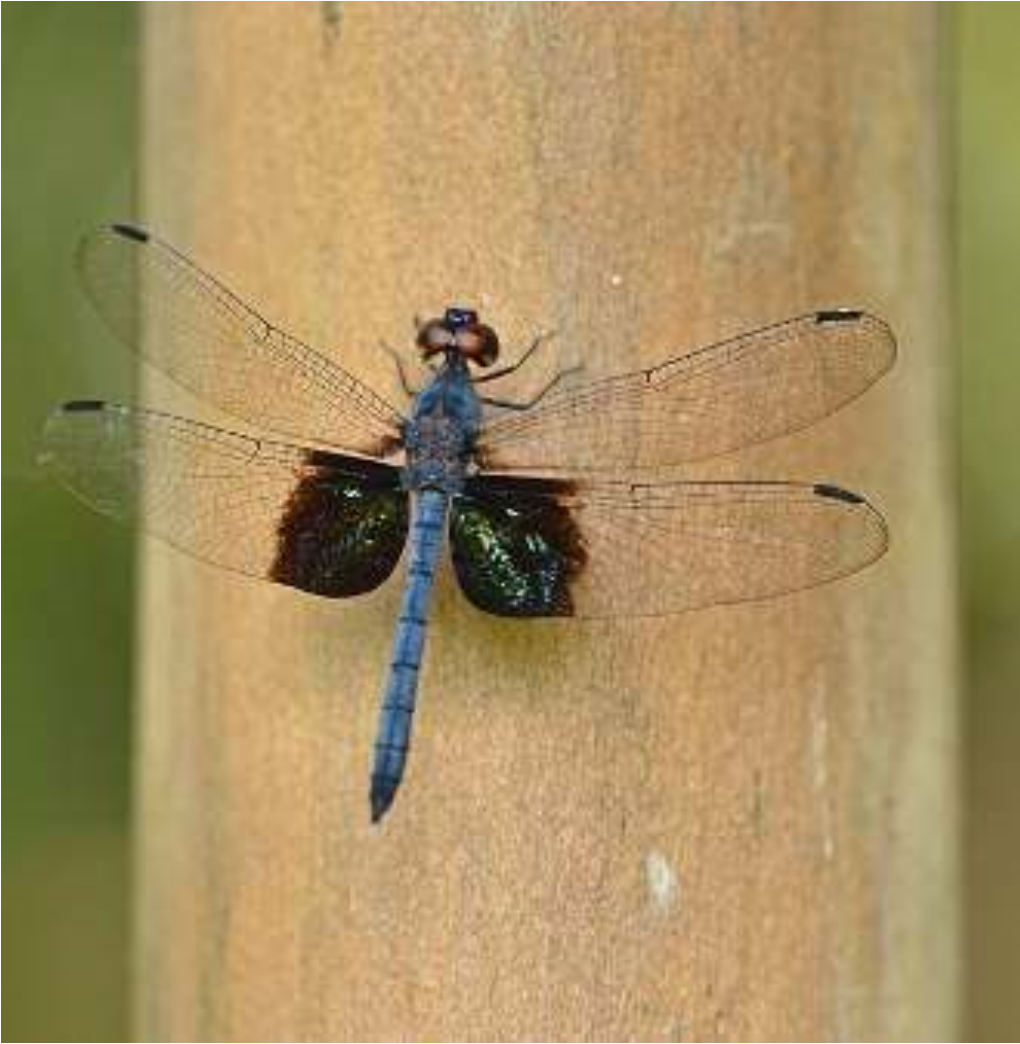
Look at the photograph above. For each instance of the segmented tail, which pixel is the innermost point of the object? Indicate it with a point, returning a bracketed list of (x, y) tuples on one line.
[(396, 715)]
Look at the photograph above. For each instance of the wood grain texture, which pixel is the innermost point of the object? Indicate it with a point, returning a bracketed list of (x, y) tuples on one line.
[(732, 825)]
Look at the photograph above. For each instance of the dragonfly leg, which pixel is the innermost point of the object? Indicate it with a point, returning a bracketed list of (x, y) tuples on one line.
[(507, 404), (544, 336), (398, 362)]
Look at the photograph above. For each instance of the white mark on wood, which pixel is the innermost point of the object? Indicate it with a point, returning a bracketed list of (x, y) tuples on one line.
[(819, 747), (820, 768), (663, 884)]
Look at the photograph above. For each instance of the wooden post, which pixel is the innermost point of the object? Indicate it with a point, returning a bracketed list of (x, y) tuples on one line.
[(738, 824)]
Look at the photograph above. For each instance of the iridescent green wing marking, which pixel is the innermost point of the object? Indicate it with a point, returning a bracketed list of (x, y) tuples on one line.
[(341, 533), (516, 549)]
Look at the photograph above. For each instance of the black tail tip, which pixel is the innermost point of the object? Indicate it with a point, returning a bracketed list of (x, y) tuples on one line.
[(384, 789)]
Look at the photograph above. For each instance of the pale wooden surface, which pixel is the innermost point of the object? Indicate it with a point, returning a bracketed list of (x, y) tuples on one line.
[(734, 825)]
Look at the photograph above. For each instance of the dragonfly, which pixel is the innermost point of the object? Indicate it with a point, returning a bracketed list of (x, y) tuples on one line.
[(567, 505)]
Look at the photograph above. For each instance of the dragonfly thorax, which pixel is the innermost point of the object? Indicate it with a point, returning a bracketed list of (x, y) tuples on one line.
[(440, 435)]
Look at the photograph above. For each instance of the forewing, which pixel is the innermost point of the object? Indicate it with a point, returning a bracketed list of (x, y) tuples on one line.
[(737, 393), (621, 549), (325, 523), (190, 326)]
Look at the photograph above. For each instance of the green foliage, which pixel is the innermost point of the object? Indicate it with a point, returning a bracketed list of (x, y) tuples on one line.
[(989, 267), (69, 145)]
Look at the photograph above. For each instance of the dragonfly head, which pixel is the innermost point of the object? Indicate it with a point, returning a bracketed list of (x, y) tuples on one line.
[(459, 333)]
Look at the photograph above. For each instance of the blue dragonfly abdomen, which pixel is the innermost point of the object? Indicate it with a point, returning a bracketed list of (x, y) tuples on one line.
[(396, 716)]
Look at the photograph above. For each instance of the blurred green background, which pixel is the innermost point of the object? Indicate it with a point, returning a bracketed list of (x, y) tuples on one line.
[(69, 143), (71, 77)]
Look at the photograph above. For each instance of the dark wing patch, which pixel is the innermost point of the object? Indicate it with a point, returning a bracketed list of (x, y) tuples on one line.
[(326, 523), (711, 401), (516, 549), (340, 535), (198, 332)]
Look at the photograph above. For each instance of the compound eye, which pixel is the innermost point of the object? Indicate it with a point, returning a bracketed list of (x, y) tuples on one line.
[(479, 344), (434, 337)]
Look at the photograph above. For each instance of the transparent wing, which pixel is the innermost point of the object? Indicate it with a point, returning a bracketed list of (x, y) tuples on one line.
[(322, 522), (700, 405), (185, 323), (532, 547)]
